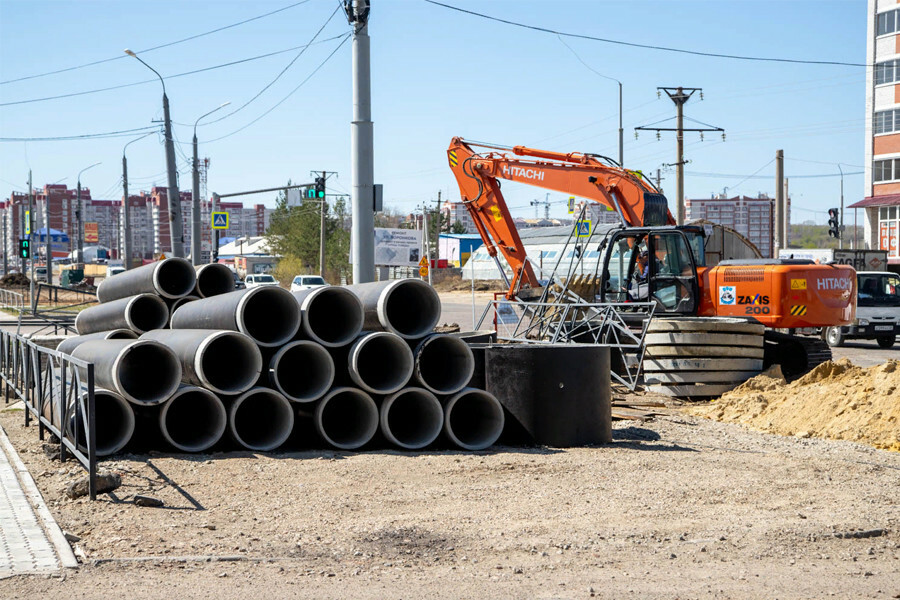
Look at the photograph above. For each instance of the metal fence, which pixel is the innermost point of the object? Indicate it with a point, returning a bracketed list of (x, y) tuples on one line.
[(12, 300), (58, 393)]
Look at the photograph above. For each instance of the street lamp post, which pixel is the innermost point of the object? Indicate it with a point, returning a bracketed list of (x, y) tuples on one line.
[(176, 229), (841, 226), (79, 233), (126, 237), (195, 195)]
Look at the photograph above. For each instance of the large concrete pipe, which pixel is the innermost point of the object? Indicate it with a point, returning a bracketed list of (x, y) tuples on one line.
[(444, 364), (144, 372), (473, 419), (331, 316), (411, 418), (174, 304), (260, 419), (346, 418), (114, 419), (408, 307), (169, 278), (213, 279), (380, 362), (269, 315), (226, 362), (138, 313), (303, 371), (70, 343), (193, 419)]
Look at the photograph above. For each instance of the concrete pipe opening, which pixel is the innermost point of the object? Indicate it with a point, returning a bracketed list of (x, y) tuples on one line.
[(410, 308), (303, 371), (114, 423), (270, 315), (214, 279), (444, 364), (228, 362), (411, 418), (381, 362), (174, 278), (193, 420), (261, 419), (332, 316), (146, 372), (347, 418), (473, 419), (146, 312)]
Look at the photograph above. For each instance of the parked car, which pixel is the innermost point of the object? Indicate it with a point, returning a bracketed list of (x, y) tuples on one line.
[(259, 280), (307, 282), (877, 311), (238, 282)]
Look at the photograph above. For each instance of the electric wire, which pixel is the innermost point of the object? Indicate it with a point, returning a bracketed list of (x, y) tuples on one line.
[(277, 77), (107, 134), (186, 73), (166, 45), (650, 46), (280, 102)]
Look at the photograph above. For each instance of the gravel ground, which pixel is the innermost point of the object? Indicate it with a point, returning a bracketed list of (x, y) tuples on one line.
[(676, 507)]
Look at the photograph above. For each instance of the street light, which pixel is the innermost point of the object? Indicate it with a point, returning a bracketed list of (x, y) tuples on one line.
[(126, 234), (176, 229), (195, 194), (78, 212)]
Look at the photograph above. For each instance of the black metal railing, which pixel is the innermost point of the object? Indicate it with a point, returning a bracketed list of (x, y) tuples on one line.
[(58, 393)]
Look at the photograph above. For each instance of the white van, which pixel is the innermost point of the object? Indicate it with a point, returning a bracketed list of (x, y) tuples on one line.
[(877, 311)]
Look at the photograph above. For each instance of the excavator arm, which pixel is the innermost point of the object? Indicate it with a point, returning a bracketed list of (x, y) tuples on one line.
[(635, 200)]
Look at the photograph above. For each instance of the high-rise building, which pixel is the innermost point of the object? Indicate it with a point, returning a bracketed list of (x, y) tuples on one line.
[(751, 217), (881, 204)]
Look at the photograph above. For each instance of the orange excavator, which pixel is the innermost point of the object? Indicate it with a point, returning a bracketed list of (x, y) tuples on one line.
[(648, 258)]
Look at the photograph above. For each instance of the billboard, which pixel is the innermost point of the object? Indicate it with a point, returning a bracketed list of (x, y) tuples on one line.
[(397, 247), (91, 232)]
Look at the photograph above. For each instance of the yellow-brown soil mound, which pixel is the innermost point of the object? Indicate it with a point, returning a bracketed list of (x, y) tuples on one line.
[(836, 400)]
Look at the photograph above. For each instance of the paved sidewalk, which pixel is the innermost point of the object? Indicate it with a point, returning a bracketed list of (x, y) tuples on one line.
[(25, 546)]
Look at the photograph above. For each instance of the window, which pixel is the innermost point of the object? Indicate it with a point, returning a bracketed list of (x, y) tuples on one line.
[(883, 170), (885, 72), (886, 121), (886, 23)]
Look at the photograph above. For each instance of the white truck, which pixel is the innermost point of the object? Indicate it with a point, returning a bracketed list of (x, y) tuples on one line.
[(877, 298)]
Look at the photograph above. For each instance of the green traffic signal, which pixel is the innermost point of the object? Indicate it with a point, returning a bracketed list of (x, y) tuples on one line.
[(25, 248)]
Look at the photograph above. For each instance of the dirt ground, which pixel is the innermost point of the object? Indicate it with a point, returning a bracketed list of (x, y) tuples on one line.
[(676, 507)]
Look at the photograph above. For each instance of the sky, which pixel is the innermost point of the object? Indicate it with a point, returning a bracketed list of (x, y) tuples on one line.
[(436, 73)]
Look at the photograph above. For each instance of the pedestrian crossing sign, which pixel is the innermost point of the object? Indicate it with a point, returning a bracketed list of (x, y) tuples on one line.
[(583, 228), (220, 220)]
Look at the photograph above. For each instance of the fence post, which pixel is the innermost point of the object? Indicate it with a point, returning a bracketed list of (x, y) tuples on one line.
[(91, 434)]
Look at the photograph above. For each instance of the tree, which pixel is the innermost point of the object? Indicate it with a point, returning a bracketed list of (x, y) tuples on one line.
[(293, 234), (458, 227)]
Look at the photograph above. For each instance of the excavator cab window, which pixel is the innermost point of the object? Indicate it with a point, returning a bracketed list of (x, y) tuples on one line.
[(626, 272), (673, 273)]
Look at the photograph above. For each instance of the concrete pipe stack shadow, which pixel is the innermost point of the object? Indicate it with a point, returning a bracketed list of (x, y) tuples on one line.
[(332, 366)]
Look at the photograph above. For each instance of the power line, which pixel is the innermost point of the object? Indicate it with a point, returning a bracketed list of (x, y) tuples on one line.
[(145, 81), (108, 134), (120, 56), (746, 177), (649, 46), (277, 77), (280, 102)]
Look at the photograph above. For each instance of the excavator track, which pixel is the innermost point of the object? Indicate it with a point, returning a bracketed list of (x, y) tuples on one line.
[(797, 354)]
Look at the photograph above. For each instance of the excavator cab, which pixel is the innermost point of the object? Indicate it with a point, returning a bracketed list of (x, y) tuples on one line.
[(653, 265)]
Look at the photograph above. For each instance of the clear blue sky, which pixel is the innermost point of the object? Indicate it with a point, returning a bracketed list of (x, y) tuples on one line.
[(437, 73)]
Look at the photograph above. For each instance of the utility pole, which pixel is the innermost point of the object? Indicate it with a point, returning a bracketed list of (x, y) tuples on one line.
[(196, 241), (28, 227), (779, 202), (5, 245), (679, 96), (841, 239), (79, 229), (214, 254), (322, 233), (427, 241), (126, 207), (659, 180), (437, 228), (48, 248), (362, 169), (786, 216)]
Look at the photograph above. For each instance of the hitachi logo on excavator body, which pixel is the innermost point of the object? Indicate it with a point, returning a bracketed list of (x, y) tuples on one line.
[(833, 283), (520, 172)]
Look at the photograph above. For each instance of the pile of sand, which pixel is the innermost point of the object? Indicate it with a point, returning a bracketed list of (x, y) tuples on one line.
[(836, 400)]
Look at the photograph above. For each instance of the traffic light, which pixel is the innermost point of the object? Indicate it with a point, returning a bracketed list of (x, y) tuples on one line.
[(320, 187), (25, 248), (834, 223)]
